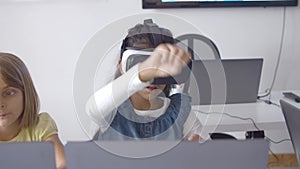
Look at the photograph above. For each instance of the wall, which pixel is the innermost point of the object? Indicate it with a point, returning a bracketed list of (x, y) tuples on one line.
[(49, 36)]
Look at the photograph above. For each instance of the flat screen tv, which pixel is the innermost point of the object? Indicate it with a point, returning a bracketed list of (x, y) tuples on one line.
[(215, 3)]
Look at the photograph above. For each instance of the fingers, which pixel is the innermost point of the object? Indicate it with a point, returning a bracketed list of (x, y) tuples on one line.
[(194, 137), (173, 52), (166, 60)]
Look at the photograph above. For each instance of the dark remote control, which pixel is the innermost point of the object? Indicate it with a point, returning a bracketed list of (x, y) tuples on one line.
[(291, 95)]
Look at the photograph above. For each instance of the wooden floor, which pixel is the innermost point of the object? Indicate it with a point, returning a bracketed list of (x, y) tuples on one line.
[(283, 160)]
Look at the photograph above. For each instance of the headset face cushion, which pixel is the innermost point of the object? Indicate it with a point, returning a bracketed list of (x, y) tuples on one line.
[(135, 59)]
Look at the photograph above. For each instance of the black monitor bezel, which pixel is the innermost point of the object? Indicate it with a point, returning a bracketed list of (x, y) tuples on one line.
[(148, 4)]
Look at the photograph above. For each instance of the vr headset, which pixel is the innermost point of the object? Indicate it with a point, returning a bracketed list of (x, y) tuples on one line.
[(131, 56)]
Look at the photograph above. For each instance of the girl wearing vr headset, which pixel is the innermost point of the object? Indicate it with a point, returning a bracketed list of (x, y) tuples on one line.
[(19, 106), (131, 107)]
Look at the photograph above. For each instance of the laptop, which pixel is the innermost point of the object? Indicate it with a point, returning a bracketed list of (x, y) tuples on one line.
[(292, 115), (27, 155), (225, 81), (217, 154)]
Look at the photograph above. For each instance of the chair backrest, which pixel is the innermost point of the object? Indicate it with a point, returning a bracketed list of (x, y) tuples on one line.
[(200, 47)]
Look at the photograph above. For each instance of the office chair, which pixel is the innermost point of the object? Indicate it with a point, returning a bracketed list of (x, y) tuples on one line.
[(200, 47)]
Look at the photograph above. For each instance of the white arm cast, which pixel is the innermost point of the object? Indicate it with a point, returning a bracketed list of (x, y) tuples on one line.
[(100, 106)]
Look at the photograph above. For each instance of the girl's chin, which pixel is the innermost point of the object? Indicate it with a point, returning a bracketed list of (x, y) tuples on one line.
[(150, 94)]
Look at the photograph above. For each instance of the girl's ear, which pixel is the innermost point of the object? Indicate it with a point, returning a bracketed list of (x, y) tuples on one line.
[(120, 66)]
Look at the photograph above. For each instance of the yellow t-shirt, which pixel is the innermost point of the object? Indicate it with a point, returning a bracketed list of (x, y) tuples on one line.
[(45, 127)]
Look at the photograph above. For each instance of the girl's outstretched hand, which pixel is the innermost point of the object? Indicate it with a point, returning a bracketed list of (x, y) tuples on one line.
[(194, 137), (166, 60)]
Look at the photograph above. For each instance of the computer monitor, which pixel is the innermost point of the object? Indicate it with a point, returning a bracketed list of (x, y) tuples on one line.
[(225, 81)]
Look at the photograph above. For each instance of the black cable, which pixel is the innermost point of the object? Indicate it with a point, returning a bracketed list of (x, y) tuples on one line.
[(254, 124), (277, 142), (265, 95), (270, 102), (232, 116), (247, 118), (279, 56)]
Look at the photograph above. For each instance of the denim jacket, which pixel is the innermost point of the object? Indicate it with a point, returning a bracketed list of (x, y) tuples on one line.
[(127, 125)]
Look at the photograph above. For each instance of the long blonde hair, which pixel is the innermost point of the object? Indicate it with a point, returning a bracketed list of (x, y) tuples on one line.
[(15, 74)]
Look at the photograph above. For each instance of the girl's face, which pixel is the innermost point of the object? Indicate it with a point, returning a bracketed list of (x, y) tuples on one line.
[(151, 92), (11, 105)]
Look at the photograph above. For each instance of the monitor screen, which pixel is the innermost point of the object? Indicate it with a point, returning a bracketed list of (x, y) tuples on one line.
[(215, 3)]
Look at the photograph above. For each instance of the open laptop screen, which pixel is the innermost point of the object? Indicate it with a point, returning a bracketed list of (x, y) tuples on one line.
[(227, 154), (27, 155), (225, 81), (292, 116)]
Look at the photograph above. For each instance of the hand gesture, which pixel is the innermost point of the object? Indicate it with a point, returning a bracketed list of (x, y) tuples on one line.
[(166, 60)]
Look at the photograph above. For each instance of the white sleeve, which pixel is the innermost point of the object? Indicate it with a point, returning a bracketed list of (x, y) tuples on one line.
[(101, 105)]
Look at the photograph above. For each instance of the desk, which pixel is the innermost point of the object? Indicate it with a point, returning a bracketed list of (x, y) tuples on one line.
[(267, 117)]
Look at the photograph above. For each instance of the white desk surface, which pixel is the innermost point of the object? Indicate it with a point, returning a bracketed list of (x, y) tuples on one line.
[(266, 116)]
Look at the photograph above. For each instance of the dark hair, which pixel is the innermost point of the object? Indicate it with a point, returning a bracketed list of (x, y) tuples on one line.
[(148, 34)]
